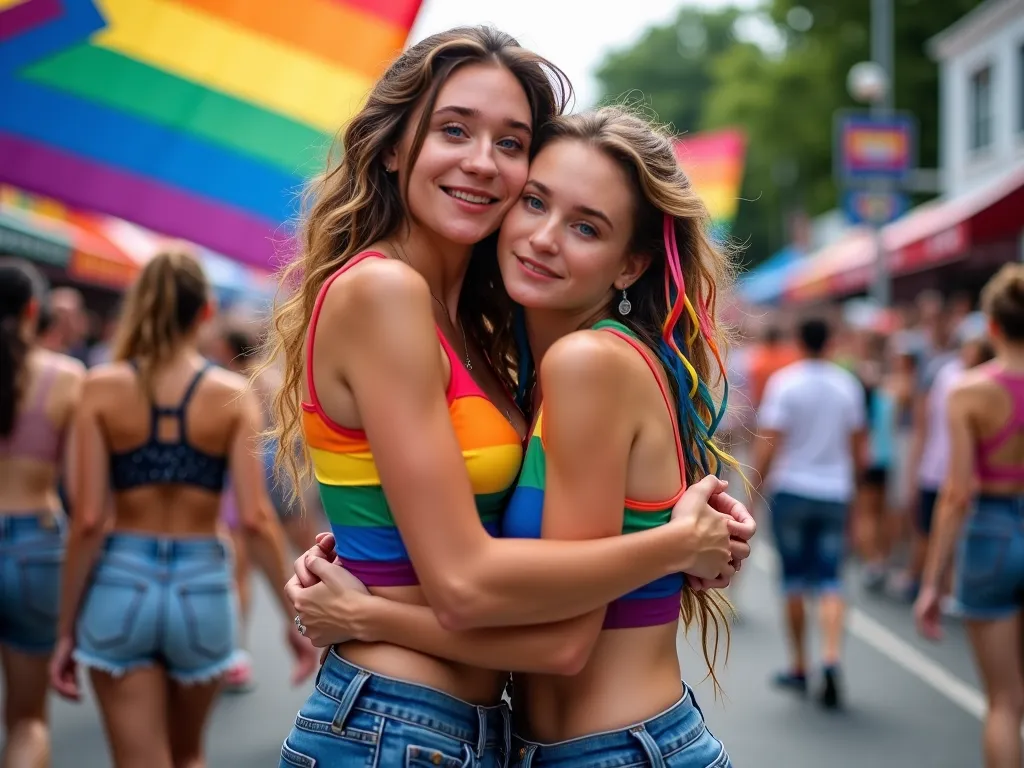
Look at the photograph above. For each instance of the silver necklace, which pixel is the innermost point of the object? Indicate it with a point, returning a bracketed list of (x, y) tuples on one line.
[(465, 344)]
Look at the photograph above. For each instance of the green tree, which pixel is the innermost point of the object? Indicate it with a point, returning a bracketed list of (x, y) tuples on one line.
[(784, 98)]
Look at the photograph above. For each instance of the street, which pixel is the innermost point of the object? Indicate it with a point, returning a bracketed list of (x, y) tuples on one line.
[(895, 713)]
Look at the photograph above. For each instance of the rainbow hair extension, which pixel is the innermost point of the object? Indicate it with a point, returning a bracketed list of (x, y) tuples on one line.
[(675, 350), (524, 369)]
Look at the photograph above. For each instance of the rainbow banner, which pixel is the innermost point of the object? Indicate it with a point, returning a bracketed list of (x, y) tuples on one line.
[(200, 119), (714, 163)]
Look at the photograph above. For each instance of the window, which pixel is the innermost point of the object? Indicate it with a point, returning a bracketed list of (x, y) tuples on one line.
[(981, 108)]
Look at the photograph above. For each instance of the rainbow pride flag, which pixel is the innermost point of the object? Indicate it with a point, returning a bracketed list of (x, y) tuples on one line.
[(200, 119), (714, 162)]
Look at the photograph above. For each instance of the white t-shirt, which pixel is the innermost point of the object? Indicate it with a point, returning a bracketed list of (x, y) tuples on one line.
[(816, 406), (931, 472)]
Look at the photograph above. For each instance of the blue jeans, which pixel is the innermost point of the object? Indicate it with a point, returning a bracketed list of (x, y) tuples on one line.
[(676, 738), (810, 536), (31, 553), (358, 719), (159, 601), (990, 559)]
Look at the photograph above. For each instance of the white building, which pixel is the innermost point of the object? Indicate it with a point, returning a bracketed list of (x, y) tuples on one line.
[(981, 95)]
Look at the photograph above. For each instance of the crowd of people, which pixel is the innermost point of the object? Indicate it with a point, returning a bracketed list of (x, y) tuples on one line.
[(489, 415)]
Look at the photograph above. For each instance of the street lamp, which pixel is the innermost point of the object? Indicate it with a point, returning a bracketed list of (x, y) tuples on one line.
[(868, 82)]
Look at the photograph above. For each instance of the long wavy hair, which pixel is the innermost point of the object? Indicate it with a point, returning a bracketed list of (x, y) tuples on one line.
[(356, 203), (20, 283), (160, 309), (673, 304)]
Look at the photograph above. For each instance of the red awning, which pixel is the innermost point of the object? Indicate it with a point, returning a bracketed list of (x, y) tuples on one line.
[(938, 232)]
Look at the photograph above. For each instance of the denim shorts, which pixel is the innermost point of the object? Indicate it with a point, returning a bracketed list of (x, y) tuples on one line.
[(31, 553), (810, 536), (360, 719), (159, 601), (990, 559), (676, 738)]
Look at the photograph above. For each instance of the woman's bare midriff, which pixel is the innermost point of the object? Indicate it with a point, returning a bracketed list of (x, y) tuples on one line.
[(28, 487), (632, 675), (167, 511), (477, 686)]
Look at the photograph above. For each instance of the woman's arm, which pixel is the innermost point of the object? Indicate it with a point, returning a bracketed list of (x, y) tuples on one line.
[(954, 500), (398, 381), (91, 493)]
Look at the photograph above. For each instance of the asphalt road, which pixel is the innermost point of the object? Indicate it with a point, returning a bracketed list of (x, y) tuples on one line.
[(908, 702)]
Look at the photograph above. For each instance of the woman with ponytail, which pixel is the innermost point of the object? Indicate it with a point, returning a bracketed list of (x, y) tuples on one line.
[(147, 601), (607, 252), (39, 392)]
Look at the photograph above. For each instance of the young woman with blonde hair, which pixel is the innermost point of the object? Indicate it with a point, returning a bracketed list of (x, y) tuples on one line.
[(147, 602), (399, 362)]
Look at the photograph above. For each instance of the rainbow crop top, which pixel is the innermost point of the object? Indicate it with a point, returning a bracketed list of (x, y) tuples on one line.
[(650, 605), (367, 539)]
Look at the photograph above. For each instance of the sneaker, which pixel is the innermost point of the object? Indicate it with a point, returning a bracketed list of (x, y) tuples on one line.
[(830, 697), (239, 678), (874, 579), (791, 681)]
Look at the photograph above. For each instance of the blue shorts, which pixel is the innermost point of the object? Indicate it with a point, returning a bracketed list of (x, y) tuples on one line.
[(810, 536), (676, 738), (990, 559), (31, 553), (159, 601), (354, 717)]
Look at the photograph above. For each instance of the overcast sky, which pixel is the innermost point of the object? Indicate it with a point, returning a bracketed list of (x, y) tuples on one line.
[(574, 34)]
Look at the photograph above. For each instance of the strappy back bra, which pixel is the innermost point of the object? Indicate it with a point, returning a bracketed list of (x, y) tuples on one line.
[(174, 462)]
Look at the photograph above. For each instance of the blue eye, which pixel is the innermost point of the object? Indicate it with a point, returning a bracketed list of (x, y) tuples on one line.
[(510, 144), (587, 231), (533, 203), (448, 129)]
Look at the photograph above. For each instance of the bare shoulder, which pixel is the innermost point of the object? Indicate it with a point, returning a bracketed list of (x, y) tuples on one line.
[(375, 289), (68, 368), (224, 382), (590, 361)]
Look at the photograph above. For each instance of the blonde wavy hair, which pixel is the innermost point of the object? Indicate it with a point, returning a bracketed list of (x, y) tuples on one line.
[(674, 307), (161, 308), (356, 203)]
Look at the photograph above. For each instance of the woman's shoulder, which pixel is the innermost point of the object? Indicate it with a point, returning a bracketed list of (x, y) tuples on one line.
[(593, 359), (377, 284), (65, 366)]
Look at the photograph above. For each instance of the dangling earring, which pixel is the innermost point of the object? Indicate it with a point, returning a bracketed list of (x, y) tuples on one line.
[(624, 306)]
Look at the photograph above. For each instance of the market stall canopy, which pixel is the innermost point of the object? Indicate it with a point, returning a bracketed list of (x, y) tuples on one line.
[(197, 118)]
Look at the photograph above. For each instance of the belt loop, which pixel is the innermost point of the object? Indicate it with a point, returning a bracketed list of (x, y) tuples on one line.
[(481, 735), (348, 700), (506, 717), (693, 700), (649, 746), (526, 756)]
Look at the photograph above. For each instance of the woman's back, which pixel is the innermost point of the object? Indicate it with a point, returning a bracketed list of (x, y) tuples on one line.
[(192, 417), (32, 454), (996, 400)]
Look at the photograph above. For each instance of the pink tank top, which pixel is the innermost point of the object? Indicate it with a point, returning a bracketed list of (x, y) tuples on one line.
[(34, 435), (1014, 385)]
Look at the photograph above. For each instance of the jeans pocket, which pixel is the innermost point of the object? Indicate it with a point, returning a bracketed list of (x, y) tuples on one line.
[(983, 553), (430, 757), (292, 757), (40, 584), (111, 609), (203, 607)]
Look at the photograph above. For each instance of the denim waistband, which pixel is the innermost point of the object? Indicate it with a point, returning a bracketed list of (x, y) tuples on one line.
[(1013, 505), (356, 688), (165, 549), (671, 729), (14, 525)]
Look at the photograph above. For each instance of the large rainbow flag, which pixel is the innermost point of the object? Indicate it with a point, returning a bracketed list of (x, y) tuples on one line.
[(200, 119), (714, 162)]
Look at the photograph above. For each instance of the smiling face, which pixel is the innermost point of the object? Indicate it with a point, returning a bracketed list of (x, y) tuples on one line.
[(474, 158), (565, 245)]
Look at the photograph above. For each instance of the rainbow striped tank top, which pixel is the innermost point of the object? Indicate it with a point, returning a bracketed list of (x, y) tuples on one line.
[(650, 605), (368, 541)]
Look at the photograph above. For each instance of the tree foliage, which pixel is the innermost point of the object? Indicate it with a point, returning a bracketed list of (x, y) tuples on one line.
[(783, 90)]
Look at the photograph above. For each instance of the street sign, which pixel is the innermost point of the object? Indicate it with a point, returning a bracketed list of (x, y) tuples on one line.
[(874, 208), (871, 148)]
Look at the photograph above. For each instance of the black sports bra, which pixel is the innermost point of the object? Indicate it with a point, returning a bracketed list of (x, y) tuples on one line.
[(157, 462)]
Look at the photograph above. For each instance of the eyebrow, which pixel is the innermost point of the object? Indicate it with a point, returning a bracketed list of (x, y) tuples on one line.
[(470, 112), (585, 210)]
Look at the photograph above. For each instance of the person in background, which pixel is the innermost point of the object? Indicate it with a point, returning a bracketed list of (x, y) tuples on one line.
[(39, 393), (811, 447), (979, 515), (773, 353)]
